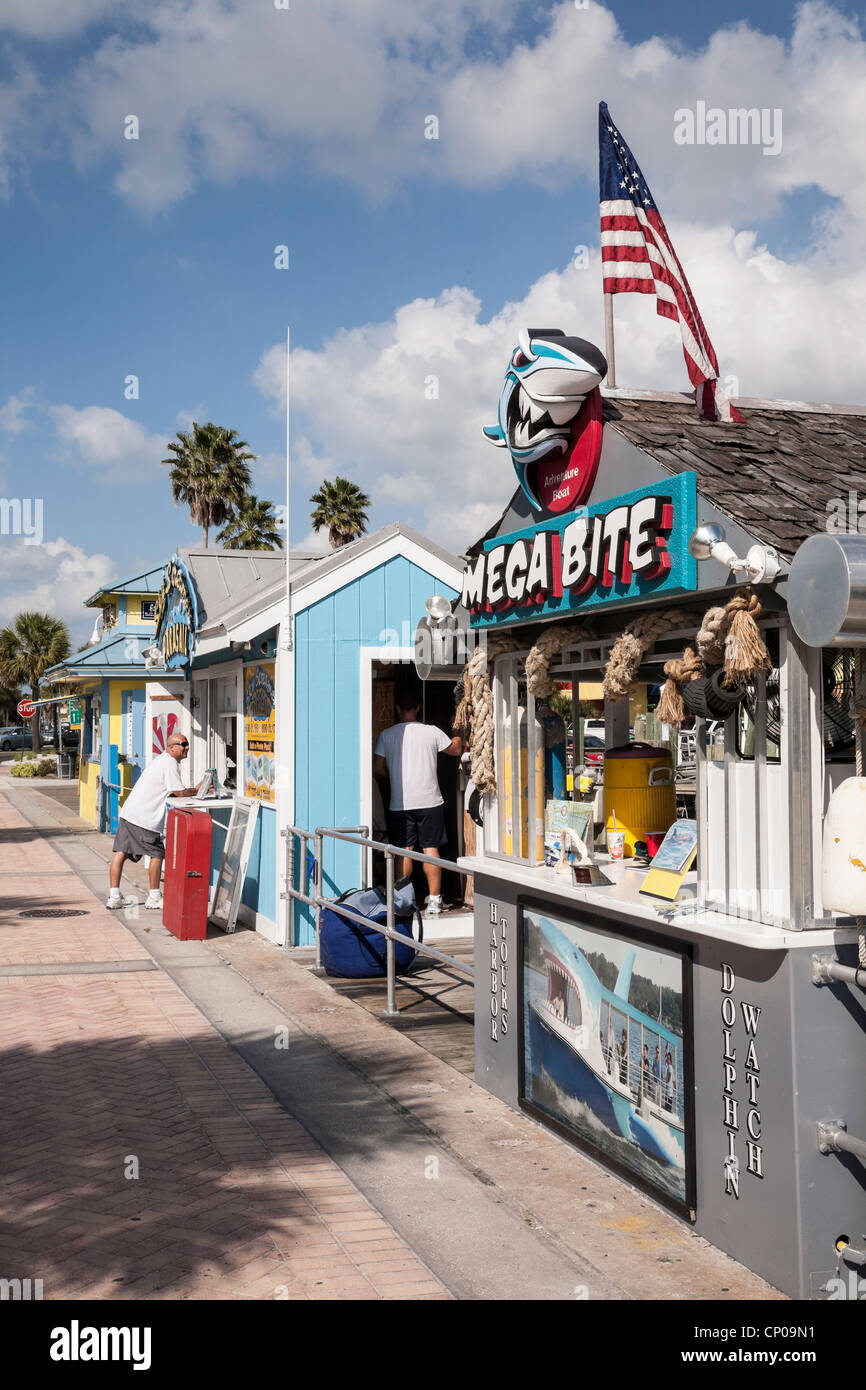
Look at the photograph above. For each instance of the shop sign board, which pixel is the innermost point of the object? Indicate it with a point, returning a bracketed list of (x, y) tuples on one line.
[(606, 1046), (260, 731), (176, 616), (75, 714), (630, 547)]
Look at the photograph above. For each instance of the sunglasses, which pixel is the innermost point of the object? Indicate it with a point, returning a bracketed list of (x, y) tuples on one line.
[(179, 745)]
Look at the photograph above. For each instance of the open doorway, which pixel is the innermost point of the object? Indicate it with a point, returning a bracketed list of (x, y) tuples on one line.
[(437, 706)]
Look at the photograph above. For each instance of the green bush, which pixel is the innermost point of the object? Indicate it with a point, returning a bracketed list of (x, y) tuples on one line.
[(39, 767)]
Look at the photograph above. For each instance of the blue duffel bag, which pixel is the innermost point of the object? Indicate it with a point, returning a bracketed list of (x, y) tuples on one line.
[(354, 952)]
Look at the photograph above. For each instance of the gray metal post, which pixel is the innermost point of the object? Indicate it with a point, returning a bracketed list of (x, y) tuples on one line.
[(701, 807), (290, 883), (390, 954), (317, 894), (759, 766), (608, 341), (514, 716), (799, 752), (364, 830), (303, 877), (531, 808)]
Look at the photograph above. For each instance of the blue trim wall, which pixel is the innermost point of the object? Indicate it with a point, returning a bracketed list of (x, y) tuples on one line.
[(328, 639)]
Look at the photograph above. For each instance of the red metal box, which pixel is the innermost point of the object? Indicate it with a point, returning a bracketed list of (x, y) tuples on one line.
[(187, 874)]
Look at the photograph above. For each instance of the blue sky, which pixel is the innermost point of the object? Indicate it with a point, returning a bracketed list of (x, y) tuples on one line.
[(408, 257)]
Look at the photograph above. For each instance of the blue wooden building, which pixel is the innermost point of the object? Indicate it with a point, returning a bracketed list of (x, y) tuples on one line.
[(329, 675)]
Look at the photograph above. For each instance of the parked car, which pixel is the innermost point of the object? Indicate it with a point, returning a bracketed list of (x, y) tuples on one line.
[(15, 736), (593, 749), (595, 727), (68, 737)]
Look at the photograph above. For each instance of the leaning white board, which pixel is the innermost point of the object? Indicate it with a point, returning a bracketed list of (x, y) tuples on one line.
[(233, 865)]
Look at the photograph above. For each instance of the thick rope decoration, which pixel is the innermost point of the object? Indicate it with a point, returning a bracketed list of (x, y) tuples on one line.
[(551, 641), (670, 707), (745, 652), (632, 645), (728, 636), (711, 638), (476, 711)]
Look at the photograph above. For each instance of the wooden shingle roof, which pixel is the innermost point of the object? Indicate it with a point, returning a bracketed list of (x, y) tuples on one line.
[(775, 474)]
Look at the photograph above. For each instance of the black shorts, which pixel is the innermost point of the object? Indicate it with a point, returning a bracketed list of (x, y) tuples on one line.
[(421, 829), (134, 841)]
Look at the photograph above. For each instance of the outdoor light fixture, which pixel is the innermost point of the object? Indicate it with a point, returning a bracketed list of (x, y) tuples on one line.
[(93, 639), (439, 610), (761, 565), (153, 658)]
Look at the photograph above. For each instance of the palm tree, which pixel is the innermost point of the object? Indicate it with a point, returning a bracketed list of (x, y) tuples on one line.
[(9, 697), (253, 526), (209, 473), (341, 506), (33, 643)]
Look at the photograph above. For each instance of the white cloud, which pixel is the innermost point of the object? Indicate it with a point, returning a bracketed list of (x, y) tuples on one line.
[(13, 419), (360, 407), (55, 577), (243, 88), (184, 418), (51, 19), (20, 95), (110, 444)]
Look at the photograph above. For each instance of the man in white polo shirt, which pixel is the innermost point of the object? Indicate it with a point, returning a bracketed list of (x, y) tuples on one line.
[(406, 756), (139, 828)]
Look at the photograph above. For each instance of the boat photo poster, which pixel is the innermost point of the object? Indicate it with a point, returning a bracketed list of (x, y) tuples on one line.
[(606, 1047)]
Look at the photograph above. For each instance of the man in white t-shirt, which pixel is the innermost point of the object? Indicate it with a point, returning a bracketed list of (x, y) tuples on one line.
[(139, 828), (406, 756)]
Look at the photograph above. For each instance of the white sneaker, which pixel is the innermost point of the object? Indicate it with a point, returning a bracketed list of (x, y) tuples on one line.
[(154, 901), (115, 902), (434, 906)]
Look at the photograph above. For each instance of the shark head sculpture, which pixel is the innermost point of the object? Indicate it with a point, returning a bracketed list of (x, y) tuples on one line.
[(550, 417)]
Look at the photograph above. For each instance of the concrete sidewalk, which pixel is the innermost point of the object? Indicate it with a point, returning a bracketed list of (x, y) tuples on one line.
[(141, 1157), (493, 1204)]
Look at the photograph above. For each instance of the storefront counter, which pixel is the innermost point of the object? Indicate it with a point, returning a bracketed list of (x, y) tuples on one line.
[(689, 1052), (624, 899)]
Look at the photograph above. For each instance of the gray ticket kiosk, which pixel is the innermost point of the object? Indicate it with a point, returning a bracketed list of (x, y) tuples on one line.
[(701, 1031)]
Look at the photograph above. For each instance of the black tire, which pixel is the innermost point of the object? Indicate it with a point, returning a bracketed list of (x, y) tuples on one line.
[(5, 746)]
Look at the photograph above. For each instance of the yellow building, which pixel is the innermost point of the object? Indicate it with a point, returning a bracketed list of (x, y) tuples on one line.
[(110, 676)]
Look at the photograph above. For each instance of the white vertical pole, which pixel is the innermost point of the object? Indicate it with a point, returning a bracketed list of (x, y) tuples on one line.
[(289, 634), (608, 341), (285, 741)]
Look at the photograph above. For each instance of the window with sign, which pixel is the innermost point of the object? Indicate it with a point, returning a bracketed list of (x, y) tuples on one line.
[(96, 728), (216, 739)]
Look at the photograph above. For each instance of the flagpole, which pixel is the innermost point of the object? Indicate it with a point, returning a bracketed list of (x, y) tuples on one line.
[(289, 635), (608, 341)]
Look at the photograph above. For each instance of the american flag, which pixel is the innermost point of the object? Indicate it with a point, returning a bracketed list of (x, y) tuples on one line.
[(638, 257)]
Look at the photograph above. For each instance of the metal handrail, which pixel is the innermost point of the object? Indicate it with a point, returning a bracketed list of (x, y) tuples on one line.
[(359, 836)]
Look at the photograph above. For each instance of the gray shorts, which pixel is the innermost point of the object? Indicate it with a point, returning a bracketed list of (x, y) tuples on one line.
[(134, 841)]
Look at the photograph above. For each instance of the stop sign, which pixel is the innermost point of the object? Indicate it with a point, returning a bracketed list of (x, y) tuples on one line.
[(26, 709)]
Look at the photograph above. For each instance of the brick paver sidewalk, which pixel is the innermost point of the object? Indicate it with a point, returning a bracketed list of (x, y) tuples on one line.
[(141, 1158)]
